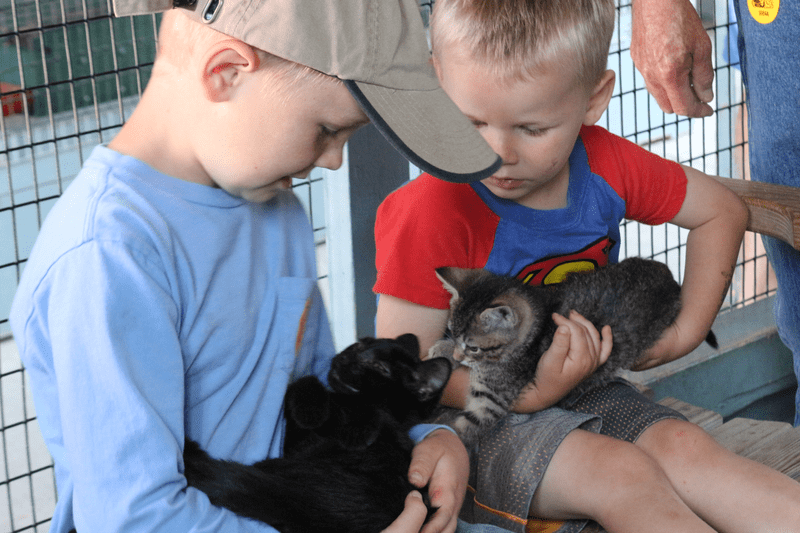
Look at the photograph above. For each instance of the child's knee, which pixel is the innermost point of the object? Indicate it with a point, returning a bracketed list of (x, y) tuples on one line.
[(627, 467), (623, 475), (677, 443), (596, 476)]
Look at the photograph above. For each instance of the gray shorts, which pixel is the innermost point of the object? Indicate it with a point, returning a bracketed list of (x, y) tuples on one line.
[(510, 462)]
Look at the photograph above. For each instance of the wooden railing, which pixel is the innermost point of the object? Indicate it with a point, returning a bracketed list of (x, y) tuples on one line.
[(774, 209)]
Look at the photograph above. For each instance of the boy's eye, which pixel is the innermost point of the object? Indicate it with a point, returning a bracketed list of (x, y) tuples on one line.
[(533, 131), (328, 131)]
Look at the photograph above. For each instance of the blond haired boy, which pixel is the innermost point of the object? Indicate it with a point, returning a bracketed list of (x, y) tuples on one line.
[(532, 77), (172, 290)]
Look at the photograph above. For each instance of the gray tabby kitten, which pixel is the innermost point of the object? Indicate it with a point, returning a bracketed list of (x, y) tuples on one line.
[(500, 327)]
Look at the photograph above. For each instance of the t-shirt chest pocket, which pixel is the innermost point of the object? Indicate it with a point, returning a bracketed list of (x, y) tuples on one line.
[(298, 319)]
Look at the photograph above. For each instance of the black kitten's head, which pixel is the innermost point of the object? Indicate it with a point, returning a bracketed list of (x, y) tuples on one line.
[(388, 369)]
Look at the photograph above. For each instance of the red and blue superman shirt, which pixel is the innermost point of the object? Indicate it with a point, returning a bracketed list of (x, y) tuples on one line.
[(428, 223)]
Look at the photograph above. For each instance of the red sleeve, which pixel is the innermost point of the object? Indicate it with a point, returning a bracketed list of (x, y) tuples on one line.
[(424, 225), (652, 187)]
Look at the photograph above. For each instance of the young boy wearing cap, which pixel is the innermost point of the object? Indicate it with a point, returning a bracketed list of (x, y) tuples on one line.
[(532, 77), (172, 290)]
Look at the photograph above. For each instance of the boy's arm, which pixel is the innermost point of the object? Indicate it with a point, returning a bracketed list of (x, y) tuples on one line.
[(121, 398), (716, 219), (577, 350)]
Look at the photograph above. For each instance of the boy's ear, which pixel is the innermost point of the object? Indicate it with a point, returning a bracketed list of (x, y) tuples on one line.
[(223, 66), (434, 61), (600, 97)]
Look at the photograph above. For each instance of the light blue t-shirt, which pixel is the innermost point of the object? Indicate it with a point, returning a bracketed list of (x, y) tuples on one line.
[(150, 306)]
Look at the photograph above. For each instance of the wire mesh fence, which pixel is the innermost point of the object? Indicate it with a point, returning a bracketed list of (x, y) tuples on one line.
[(71, 74)]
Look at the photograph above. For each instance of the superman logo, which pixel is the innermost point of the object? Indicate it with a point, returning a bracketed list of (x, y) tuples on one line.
[(554, 269)]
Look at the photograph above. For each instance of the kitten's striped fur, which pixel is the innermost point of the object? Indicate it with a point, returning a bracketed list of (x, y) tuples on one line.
[(500, 328)]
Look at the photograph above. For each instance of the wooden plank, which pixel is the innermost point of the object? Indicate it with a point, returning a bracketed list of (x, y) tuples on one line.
[(780, 451), (705, 418), (742, 435), (774, 209)]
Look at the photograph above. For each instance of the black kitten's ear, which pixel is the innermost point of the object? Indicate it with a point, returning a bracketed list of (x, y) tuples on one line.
[(410, 342), (307, 403), (498, 317), (432, 376), (456, 279)]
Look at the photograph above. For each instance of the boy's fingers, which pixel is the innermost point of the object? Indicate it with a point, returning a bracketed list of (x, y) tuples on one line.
[(440, 521), (589, 328), (559, 348), (412, 517), (423, 461), (606, 344), (447, 480)]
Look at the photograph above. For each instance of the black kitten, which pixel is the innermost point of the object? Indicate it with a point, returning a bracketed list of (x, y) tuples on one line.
[(500, 327), (346, 451)]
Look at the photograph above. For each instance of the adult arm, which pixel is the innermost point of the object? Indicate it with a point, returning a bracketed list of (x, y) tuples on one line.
[(716, 219), (672, 50)]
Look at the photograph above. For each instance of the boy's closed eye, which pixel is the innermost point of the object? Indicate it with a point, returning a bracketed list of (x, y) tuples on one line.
[(329, 131), (534, 131), (334, 130)]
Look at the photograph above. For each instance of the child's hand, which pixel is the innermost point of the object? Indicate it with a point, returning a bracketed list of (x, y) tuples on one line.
[(412, 517), (576, 352), (661, 352), (674, 343), (441, 462)]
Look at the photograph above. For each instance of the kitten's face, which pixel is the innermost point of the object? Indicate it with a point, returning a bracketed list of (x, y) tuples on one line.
[(388, 368), (485, 335), (487, 318)]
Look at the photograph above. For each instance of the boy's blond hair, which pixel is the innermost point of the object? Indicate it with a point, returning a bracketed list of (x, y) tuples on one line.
[(518, 38)]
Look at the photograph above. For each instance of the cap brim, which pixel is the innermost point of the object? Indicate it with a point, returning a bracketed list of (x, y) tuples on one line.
[(429, 130)]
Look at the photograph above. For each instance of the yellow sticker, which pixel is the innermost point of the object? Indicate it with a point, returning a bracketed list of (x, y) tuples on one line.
[(764, 11)]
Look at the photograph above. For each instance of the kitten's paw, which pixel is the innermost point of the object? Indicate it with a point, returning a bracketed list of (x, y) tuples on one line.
[(467, 431), (443, 348)]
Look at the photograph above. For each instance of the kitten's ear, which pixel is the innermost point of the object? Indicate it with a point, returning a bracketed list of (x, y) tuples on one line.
[(432, 376), (307, 403), (410, 342), (502, 316), (456, 279)]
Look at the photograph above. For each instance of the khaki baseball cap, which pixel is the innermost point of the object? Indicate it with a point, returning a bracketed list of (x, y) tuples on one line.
[(378, 48)]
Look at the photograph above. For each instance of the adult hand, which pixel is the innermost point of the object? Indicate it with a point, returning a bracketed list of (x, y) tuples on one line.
[(672, 50), (412, 517), (441, 462)]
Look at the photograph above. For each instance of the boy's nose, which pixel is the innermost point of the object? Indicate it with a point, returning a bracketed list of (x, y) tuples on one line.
[(331, 157), (503, 145)]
